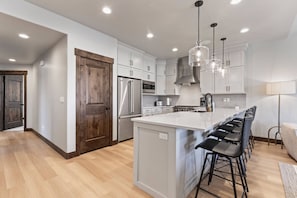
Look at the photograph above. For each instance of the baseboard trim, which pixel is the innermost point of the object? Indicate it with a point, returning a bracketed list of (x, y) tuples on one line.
[(114, 142), (262, 139), (28, 129), (53, 146)]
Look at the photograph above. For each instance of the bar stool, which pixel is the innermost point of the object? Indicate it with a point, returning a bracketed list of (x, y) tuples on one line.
[(229, 151)]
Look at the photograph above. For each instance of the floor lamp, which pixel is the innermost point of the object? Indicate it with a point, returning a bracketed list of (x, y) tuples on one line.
[(279, 88)]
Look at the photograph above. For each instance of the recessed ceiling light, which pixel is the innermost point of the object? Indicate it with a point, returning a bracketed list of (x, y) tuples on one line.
[(150, 35), (174, 49), (12, 60), (234, 2), (106, 10), (24, 36), (244, 30)]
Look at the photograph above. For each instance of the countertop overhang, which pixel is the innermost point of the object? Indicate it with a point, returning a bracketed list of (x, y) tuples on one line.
[(191, 120)]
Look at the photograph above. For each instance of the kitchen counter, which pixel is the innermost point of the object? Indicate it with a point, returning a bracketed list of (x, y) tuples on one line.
[(190, 120), (166, 164)]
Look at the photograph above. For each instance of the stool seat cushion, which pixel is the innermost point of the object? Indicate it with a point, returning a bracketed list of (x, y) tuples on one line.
[(289, 137)]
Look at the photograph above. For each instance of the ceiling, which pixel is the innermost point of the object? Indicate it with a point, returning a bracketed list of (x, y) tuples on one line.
[(25, 51), (174, 22)]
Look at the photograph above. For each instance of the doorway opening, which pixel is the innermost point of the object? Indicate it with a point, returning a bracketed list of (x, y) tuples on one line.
[(13, 100)]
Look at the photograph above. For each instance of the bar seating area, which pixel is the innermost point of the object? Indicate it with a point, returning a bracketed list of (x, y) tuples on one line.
[(227, 146)]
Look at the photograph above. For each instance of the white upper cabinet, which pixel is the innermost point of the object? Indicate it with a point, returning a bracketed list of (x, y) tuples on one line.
[(149, 64), (235, 58), (129, 57), (161, 78), (206, 81), (232, 82)]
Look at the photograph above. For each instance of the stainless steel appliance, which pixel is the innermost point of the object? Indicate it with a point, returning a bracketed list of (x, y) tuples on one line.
[(148, 87), (129, 106)]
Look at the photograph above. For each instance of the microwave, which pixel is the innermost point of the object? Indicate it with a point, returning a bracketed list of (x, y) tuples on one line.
[(148, 87)]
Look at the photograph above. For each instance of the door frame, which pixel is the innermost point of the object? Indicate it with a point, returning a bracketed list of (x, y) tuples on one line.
[(23, 73), (85, 54)]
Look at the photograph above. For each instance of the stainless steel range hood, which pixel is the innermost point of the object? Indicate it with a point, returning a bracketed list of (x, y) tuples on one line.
[(186, 75)]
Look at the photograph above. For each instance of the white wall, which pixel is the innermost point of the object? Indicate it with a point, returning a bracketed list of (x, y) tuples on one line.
[(50, 114), (30, 92), (79, 36), (268, 62)]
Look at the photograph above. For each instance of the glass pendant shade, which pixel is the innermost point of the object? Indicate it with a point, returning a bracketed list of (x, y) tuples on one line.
[(215, 64), (198, 56), (222, 68)]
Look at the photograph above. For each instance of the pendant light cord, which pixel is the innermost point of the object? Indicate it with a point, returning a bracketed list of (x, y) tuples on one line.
[(198, 25), (213, 44)]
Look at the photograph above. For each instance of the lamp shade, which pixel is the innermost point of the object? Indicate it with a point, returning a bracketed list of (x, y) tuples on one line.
[(284, 87)]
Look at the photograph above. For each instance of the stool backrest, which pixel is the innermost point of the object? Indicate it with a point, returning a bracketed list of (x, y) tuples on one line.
[(245, 133)]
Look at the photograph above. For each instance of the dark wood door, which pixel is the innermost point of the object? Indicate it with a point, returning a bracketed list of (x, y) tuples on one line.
[(13, 94), (1, 102), (94, 121)]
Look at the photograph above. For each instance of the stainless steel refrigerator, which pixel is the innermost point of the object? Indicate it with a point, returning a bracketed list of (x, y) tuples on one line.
[(129, 106)]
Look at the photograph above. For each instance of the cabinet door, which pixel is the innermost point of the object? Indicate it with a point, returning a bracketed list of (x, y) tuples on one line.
[(207, 81), (148, 76), (236, 58), (124, 71), (221, 83), (171, 69), (236, 80), (135, 73), (149, 64), (171, 88), (160, 85), (161, 69), (136, 60), (124, 55)]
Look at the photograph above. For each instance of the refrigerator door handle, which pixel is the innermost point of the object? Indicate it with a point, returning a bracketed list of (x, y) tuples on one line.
[(132, 95)]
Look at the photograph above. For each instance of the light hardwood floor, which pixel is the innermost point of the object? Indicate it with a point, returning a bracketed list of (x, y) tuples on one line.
[(30, 168)]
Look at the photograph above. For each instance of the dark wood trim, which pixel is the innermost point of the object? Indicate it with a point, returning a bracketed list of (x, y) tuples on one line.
[(24, 73), (114, 142), (262, 139), (53, 146), (13, 72), (81, 53), (1, 102), (28, 129), (93, 56)]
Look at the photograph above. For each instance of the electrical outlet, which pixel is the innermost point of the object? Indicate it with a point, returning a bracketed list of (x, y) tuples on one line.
[(163, 136), (228, 99)]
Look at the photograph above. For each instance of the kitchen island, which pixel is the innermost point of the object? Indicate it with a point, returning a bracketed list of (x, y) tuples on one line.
[(165, 161)]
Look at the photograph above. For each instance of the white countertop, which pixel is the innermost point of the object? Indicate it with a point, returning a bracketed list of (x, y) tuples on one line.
[(190, 120)]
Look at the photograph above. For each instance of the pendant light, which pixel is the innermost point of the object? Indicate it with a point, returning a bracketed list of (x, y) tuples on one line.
[(198, 55), (214, 62), (223, 69)]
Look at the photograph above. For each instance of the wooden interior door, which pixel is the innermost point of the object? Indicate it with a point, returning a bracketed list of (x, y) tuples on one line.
[(13, 96), (1, 102), (94, 101)]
